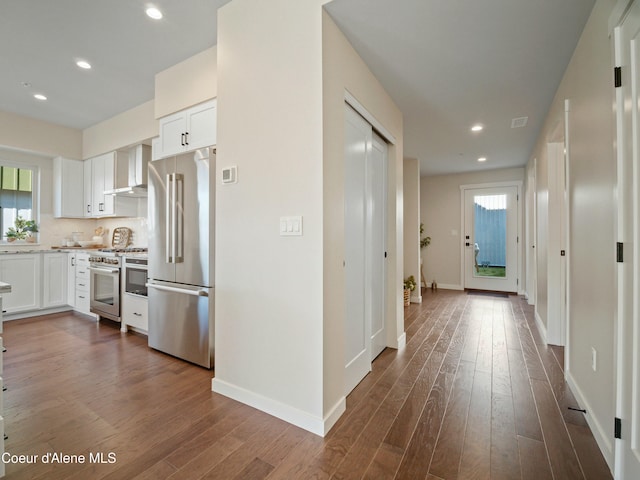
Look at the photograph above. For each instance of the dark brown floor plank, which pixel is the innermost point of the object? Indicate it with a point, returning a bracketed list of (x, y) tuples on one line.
[(534, 462)]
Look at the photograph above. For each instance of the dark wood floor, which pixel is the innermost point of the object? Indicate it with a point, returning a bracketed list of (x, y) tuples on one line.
[(475, 394)]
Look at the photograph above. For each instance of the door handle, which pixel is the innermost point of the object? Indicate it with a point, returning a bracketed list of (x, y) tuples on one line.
[(182, 139), (196, 293), (186, 138), (167, 219)]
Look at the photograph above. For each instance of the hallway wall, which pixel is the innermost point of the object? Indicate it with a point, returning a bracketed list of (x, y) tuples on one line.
[(440, 211), (588, 85)]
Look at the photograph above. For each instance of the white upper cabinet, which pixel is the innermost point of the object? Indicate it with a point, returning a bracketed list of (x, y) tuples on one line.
[(188, 130), (101, 174), (68, 189)]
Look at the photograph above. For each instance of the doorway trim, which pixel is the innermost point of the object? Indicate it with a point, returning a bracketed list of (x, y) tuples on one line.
[(509, 183)]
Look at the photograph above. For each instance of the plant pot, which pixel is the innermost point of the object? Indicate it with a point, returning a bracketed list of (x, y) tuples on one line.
[(11, 239), (31, 239), (407, 297)]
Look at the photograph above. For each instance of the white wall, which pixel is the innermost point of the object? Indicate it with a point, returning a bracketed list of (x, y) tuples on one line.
[(411, 201), (136, 125), (269, 289), (588, 84), (344, 70), (187, 83), (440, 211), (30, 135)]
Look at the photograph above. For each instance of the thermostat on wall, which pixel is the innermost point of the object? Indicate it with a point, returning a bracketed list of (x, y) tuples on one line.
[(230, 175)]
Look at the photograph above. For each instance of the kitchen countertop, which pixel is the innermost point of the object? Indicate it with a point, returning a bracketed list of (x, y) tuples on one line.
[(42, 250)]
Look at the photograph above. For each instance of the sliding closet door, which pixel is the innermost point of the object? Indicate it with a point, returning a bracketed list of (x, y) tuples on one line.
[(365, 199)]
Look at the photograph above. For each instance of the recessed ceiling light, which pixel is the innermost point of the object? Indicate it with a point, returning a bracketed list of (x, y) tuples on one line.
[(83, 64), (39, 96), (482, 159), (154, 13), (26, 84), (477, 128)]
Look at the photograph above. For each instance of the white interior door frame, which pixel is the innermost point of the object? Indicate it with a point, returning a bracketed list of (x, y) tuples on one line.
[(625, 22), (530, 225), (463, 189)]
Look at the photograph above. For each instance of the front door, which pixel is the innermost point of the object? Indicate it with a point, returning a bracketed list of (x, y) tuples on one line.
[(491, 238)]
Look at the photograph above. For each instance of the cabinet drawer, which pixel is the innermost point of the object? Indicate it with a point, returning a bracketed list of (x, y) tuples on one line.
[(82, 284), (135, 311), (82, 302), (82, 272)]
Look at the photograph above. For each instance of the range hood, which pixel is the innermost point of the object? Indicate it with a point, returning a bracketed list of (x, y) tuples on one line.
[(137, 168)]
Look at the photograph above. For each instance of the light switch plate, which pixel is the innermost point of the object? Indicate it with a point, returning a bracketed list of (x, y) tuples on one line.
[(291, 226)]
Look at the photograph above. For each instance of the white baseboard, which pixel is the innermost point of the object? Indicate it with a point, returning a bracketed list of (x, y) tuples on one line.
[(447, 286), (416, 298), (541, 328), (299, 418), (602, 435)]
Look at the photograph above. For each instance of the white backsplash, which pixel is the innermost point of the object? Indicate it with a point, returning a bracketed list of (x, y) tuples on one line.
[(53, 231), (137, 225)]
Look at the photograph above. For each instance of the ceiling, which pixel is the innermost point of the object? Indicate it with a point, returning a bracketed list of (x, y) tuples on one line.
[(448, 64)]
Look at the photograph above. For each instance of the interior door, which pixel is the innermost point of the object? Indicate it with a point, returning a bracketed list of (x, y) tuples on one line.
[(491, 238), (377, 199), (627, 51), (365, 233), (358, 146)]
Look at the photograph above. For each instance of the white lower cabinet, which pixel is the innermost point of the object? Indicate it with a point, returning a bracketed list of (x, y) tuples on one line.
[(22, 272), (54, 280), (134, 312)]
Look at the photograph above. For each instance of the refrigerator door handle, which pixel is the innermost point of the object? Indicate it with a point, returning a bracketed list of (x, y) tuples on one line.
[(174, 217), (178, 232), (167, 218), (197, 293)]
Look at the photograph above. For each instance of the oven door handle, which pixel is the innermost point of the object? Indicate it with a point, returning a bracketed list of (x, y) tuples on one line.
[(104, 270)]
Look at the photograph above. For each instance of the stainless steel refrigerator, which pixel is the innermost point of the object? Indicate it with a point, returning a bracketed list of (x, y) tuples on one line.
[(180, 287)]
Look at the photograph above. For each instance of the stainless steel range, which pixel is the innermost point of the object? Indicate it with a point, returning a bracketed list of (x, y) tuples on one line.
[(105, 269)]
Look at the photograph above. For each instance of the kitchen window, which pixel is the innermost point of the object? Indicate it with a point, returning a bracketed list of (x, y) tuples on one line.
[(18, 194)]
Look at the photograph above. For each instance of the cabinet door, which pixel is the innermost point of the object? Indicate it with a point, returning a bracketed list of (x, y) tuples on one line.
[(88, 188), (71, 279), (108, 183), (68, 191), (54, 280), (22, 272), (201, 126), (172, 129), (102, 178)]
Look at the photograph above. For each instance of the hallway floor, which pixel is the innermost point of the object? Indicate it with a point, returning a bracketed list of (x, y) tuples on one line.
[(474, 395)]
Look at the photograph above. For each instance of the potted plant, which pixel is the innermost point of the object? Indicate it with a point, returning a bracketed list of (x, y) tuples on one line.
[(409, 286), (424, 243), (22, 229), (31, 227), (11, 235)]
